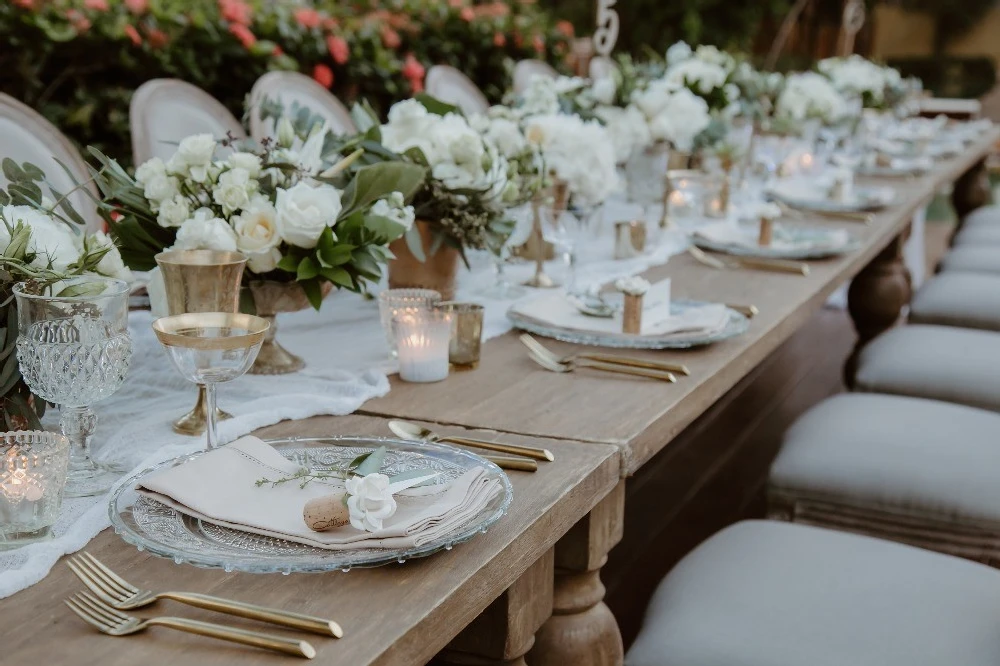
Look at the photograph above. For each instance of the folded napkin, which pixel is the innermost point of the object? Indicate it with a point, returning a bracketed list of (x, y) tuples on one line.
[(658, 318), (727, 233), (220, 487)]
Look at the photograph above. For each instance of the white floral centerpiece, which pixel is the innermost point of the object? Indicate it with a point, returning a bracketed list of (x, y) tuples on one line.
[(578, 153), (706, 71), (879, 87), (810, 96)]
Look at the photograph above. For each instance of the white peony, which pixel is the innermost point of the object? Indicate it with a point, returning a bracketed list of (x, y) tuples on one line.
[(578, 152), (111, 264), (257, 227), (233, 190), (204, 231), (247, 161), (679, 52), (149, 170), (394, 208), (304, 211), (370, 501), (174, 212), (52, 242)]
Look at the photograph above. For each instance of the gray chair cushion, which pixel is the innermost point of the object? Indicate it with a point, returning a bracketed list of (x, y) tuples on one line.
[(977, 234), (972, 259), (936, 362), (777, 594), (984, 215), (969, 300)]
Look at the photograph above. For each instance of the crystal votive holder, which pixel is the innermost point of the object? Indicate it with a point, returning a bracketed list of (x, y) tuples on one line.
[(466, 333), (693, 195), (422, 342), (395, 302), (33, 469)]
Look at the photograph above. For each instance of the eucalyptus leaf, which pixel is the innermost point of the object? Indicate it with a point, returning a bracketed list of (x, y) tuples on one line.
[(415, 242), (373, 463), (413, 474)]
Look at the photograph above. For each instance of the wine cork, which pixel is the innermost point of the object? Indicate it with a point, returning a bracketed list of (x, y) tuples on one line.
[(632, 317), (766, 231), (327, 512)]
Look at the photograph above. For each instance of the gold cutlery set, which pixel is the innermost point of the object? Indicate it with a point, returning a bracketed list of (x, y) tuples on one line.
[(110, 594), (752, 263)]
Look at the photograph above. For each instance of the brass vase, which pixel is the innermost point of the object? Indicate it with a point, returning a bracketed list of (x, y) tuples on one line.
[(271, 298), (200, 281), (438, 272)]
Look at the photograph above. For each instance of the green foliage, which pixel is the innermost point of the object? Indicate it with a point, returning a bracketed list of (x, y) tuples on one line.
[(950, 76)]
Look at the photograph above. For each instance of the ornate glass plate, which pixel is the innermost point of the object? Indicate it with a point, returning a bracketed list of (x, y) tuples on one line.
[(737, 325), (805, 244), (155, 527)]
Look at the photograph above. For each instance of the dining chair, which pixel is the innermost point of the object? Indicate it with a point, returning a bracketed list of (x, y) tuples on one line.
[(164, 111), (602, 67), (293, 91), (526, 70), (453, 87), (26, 136)]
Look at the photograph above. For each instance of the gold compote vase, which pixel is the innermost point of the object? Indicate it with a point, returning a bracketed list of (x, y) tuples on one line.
[(270, 299)]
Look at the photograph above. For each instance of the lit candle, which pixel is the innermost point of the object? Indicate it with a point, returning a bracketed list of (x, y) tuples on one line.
[(806, 162), (33, 469), (422, 340)]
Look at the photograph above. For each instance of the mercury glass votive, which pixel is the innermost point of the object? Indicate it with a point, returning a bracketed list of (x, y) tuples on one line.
[(33, 469), (422, 344), (466, 333), (395, 302)]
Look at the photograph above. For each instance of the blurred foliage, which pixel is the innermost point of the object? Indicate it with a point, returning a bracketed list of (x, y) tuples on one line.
[(947, 76)]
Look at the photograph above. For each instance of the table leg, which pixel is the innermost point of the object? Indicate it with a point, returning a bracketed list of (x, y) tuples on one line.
[(876, 298), (971, 190), (582, 631), (505, 631)]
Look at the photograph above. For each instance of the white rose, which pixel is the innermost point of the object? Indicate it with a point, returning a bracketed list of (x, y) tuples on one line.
[(52, 242), (305, 210), (234, 190), (604, 90), (409, 126), (149, 170), (246, 161), (204, 231), (369, 501), (257, 227), (263, 262), (174, 212), (197, 150), (111, 264), (160, 188)]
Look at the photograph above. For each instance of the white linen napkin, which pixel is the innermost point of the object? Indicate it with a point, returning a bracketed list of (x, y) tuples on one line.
[(220, 487), (556, 309), (728, 233)]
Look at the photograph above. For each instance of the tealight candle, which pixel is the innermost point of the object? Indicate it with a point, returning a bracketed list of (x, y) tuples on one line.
[(33, 469), (395, 302), (422, 341)]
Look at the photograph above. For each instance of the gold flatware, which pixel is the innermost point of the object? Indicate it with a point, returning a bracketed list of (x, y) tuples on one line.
[(109, 621), (115, 591), (748, 311), (572, 366), (614, 359), (514, 463), (753, 263), (418, 433), (850, 216)]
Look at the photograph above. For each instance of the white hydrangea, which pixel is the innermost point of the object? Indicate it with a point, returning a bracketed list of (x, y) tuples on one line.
[(674, 113), (578, 152), (859, 76), (540, 97), (810, 95), (627, 128), (678, 52), (705, 77)]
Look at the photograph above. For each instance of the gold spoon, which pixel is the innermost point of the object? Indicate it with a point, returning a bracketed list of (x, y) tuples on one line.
[(417, 433)]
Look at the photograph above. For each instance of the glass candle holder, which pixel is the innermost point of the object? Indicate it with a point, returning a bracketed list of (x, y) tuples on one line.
[(422, 342), (396, 302), (33, 469), (466, 333), (692, 195)]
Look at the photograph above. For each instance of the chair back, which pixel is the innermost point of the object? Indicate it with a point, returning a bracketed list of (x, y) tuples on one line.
[(453, 87), (294, 91), (602, 67), (526, 70), (164, 111), (26, 136)]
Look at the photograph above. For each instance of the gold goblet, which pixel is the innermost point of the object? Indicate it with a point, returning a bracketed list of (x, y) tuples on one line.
[(201, 281), (209, 348)]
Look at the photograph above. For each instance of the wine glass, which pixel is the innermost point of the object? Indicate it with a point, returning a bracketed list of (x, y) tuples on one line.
[(74, 349), (566, 228), (502, 287), (210, 348)]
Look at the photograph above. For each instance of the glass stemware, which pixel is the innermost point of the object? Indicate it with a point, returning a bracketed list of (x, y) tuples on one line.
[(210, 348), (566, 228), (74, 350), (646, 177), (502, 287)]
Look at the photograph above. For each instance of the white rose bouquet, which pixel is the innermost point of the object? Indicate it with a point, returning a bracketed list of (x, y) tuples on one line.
[(706, 71), (673, 112), (294, 216), (879, 87), (578, 152), (809, 96)]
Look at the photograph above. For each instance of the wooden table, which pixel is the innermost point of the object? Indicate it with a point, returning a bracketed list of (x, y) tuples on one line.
[(390, 615)]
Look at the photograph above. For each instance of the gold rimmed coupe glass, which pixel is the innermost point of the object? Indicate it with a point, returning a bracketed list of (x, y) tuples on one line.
[(210, 348), (201, 281)]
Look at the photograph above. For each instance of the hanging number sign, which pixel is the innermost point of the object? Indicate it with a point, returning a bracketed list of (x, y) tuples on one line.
[(607, 27)]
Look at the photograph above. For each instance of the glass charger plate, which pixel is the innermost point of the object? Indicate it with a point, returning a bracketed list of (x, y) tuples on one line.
[(809, 244), (737, 325), (161, 530), (865, 199)]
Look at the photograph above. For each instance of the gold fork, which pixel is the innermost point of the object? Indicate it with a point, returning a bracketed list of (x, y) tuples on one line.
[(115, 591), (572, 366), (109, 621), (851, 216), (540, 349), (753, 263)]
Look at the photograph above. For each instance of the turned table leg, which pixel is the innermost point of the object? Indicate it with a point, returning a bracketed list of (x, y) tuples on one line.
[(505, 631), (876, 298), (582, 631), (971, 190)]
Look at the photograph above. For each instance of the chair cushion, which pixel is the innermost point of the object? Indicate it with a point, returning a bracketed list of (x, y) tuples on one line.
[(937, 362), (972, 259), (905, 455), (969, 300), (765, 593), (984, 215), (977, 234)]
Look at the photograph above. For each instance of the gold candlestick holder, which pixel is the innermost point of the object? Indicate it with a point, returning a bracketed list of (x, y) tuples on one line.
[(632, 314)]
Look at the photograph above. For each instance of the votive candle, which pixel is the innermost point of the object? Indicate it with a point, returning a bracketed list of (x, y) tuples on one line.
[(422, 340), (33, 468), (395, 302)]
